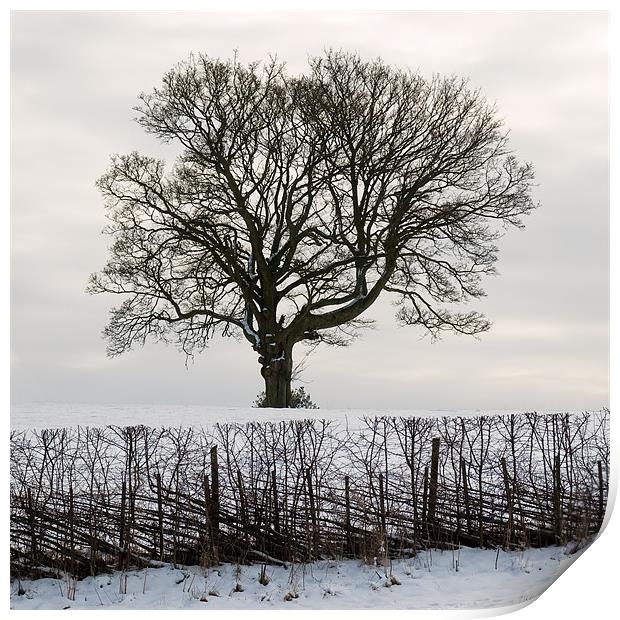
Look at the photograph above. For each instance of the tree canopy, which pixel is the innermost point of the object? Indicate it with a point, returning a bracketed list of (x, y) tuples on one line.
[(297, 201)]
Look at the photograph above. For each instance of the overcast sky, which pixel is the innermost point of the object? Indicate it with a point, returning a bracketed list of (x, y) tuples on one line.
[(75, 78)]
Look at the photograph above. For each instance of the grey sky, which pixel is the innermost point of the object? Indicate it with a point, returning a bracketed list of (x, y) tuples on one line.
[(75, 78)]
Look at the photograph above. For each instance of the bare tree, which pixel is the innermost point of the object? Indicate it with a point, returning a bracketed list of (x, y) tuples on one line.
[(297, 201)]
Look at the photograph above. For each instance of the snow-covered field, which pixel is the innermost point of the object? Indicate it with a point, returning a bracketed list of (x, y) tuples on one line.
[(56, 415), (464, 579)]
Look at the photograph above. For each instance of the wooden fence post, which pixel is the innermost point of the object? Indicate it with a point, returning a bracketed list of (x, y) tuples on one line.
[(601, 495), (160, 517), (425, 499), (557, 505), (464, 478), (432, 491), (382, 505), (242, 504), (414, 496), (209, 546), (93, 520), (121, 532), (71, 519), (347, 515), (31, 524), (215, 501), (313, 516), (509, 506)]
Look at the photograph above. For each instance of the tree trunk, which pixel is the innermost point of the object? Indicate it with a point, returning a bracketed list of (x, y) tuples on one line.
[(277, 373)]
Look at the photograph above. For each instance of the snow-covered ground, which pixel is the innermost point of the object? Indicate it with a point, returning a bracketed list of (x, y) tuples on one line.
[(467, 578), (56, 415)]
